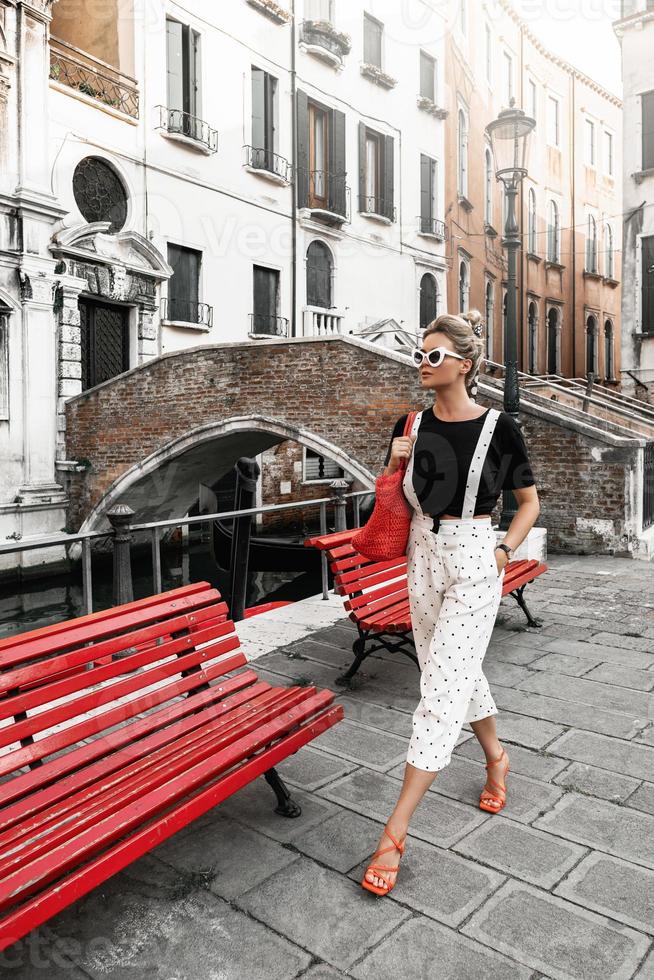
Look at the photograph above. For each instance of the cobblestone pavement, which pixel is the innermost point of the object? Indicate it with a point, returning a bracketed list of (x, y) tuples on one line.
[(559, 885)]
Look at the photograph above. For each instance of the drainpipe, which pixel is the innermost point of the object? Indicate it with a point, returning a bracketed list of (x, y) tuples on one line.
[(574, 236), (294, 179)]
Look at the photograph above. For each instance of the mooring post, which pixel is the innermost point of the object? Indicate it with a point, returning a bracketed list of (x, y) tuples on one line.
[(247, 474), (120, 516), (338, 488)]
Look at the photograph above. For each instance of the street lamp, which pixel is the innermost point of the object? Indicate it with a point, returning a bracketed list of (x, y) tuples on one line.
[(509, 136)]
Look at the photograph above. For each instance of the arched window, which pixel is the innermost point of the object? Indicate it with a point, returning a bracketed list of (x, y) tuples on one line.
[(488, 187), (591, 245), (552, 340), (320, 269), (490, 314), (531, 245), (591, 345), (464, 287), (553, 233), (532, 321), (608, 252), (463, 154), (609, 360), (428, 299)]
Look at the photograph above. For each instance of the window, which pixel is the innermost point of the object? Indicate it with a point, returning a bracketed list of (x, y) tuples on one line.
[(591, 345), (428, 300), (508, 78), (647, 280), (427, 76), (489, 54), (553, 120), (647, 100), (553, 233), (532, 318), (376, 169), (264, 120), (553, 341), (464, 286), (428, 198), (490, 314), (183, 72), (589, 130), (373, 32), (608, 152), (319, 276), (608, 252), (591, 244), (99, 193), (609, 351), (488, 187), (265, 316), (533, 99), (463, 153), (531, 246), (321, 157), (317, 467), (319, 10), (4, 361), (184, 284)]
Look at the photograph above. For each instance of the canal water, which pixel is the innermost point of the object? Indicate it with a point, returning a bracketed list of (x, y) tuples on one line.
[(42, 601)]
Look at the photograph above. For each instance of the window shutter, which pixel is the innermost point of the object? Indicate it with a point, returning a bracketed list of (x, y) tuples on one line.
[(258, 109), (648, 130), (389, 176), (647, 246), (337, 163), (195, 105), (427, 74), (174, 76), (362, 166), (302, 175), (425, 193)]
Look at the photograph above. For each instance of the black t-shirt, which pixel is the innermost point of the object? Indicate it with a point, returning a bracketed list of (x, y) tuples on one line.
[(443, 452)]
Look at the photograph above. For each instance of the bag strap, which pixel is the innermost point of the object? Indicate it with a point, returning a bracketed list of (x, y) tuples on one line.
[(408, 425)]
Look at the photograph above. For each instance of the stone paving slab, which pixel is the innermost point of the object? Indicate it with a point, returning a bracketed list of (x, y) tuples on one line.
[(606, 654), (341, 841), (501, 672), (646, 971), (511, 654), (625, 642), (310, 768), (568, 713), (421, 949), (527, 762), (550, 934), (254, 804), (564, 664), (643, 798), (615, 888), (616, 755), (617, 830), (437, 820), (438, 883), (525, 730), (364, 746), (522, 852), (322, 911), (582, 691), (597, 782), (639, 680), (384, 719)]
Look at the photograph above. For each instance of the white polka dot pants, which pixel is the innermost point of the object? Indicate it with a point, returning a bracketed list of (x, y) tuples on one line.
[(454, 594)]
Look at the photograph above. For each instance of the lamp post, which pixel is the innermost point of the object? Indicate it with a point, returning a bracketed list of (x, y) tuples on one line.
[(509, 136)]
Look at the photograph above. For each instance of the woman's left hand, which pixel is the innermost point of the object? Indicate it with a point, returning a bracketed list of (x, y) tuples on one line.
[(504, 559)]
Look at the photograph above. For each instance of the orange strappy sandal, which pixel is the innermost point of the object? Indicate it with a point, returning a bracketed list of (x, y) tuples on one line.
[(376, 868), (492, 801)]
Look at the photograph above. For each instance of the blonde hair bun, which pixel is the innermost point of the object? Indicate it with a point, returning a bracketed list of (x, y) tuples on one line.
[(473, 317)]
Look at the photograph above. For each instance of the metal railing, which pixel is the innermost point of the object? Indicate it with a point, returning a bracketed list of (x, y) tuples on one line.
[(121, 533), (260, 158), (322, 34), (81, 71), (431, 226), (374, 204), (180, 123), (186, 311), (648, 485), (325, 192), (269, 325)]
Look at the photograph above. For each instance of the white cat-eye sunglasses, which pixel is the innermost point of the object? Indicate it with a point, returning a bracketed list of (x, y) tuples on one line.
[(433, 357)]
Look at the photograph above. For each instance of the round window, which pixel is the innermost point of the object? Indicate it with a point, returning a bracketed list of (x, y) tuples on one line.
[(99, 193)]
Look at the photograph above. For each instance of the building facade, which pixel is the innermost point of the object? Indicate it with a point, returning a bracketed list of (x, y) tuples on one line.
[(176, 174), (569, 204), (635, 31)]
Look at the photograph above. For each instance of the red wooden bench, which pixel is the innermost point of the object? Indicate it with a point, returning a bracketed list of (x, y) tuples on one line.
[(119, 728), (378, 598)]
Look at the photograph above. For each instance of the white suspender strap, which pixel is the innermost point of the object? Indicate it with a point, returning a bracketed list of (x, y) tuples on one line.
[(477, 464)]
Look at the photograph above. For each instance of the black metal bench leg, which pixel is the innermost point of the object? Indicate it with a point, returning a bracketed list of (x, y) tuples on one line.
[(286, 807), (359, 651), (519, 598)]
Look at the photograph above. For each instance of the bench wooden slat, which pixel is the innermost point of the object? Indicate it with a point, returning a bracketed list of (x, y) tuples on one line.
[(81, 881)]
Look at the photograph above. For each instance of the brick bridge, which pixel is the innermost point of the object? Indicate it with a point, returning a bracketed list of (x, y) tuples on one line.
[(149, 436)]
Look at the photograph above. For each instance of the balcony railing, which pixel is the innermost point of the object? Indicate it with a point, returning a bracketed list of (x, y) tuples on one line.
[(186, 311), (377, 206), (261, 159), (266, 324), (321, 38), (321, 323), (326, 193), (81, 71), (431, 226), (180, 123)]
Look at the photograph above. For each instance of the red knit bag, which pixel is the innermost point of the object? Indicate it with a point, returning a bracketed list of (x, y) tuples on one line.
[(386, 533)]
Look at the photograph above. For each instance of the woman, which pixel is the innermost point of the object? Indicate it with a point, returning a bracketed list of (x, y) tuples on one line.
[(460, 459)]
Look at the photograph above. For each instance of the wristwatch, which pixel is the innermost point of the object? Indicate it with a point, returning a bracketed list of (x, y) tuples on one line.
[(505, 547)]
